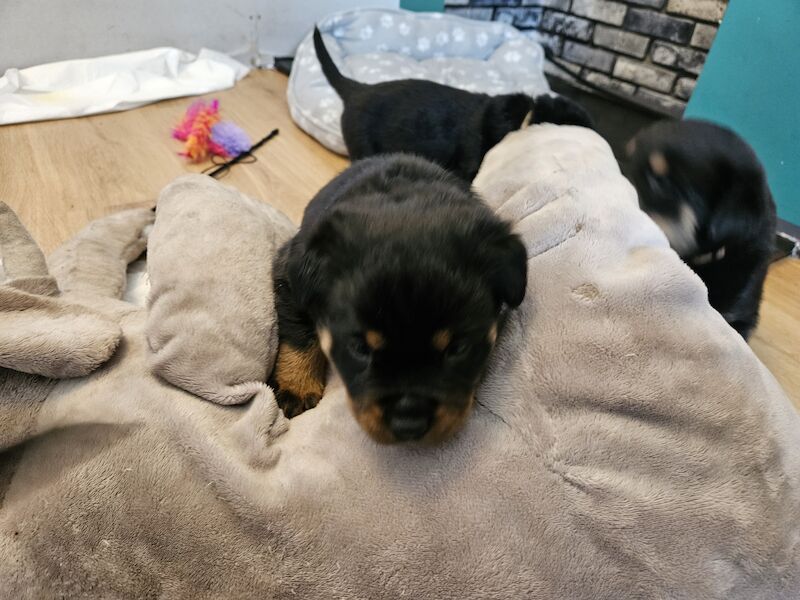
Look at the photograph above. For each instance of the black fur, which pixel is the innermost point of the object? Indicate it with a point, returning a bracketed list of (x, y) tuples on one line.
[(453, 128), (396, 245), (717, 175)]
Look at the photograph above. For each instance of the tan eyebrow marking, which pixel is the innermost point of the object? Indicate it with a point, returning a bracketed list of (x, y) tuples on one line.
[(658, 162), (375, 339), (441, 339)]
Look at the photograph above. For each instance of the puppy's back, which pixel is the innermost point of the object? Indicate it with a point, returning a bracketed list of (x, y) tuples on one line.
[(382, 175)]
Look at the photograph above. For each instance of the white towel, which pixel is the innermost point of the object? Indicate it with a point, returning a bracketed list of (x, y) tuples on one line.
[(75, 88)]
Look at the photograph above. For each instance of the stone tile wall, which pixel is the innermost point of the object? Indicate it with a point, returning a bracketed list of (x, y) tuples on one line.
[(651, 50)]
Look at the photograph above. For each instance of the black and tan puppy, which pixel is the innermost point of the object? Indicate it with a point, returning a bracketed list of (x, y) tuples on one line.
[(453, 128), (398, 276), (707, 190)]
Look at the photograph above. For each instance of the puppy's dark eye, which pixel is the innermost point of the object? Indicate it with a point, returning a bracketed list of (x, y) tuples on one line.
[(359, 348), (457, 349)]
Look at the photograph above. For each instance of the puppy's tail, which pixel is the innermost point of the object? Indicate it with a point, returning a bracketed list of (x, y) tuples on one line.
[(339, 82)]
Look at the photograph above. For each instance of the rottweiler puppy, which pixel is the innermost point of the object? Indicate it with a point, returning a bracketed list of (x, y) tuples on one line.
[(398, 277), (453, 128), (707, 190)]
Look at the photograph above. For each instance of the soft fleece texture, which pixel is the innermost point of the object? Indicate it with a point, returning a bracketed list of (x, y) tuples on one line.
[(49, 331), (211, 326), (373, 45), (626, 444)]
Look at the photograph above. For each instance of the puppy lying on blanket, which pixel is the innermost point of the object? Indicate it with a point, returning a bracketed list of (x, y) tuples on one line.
[(707, 190), (453, 128), (398, 276)]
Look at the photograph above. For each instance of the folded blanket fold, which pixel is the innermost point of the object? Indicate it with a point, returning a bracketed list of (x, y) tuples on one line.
[(211, 327)]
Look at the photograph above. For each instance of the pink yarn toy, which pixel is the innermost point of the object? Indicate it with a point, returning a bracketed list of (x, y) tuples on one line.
[(205, 135)]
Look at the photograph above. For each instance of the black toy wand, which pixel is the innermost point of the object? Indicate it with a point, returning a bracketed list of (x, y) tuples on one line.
[(241, 156)]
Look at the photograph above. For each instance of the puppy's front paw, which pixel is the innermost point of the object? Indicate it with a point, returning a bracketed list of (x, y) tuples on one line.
[(298, 378), (292, 404)]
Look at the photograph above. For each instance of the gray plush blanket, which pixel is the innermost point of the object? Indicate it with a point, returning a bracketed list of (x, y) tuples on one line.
[(626, 442)]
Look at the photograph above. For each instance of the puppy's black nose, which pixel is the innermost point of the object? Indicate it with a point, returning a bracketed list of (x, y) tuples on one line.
[(409, 417)]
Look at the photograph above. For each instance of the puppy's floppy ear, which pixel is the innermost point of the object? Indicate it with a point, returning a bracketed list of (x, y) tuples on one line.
[(505, 261), (312, 265), (503, 115)]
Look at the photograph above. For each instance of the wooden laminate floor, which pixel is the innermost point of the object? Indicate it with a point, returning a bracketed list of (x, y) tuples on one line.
[(59, 175)]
